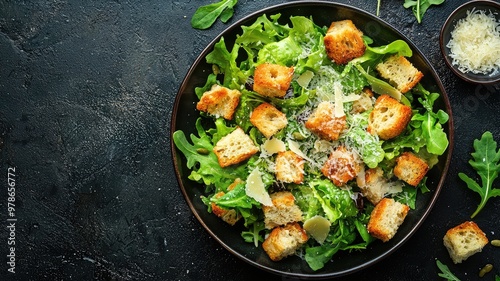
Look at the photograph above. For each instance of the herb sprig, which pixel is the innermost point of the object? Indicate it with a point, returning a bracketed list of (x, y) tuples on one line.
[(445, 272), (486, 161), (419, 7), (205, 16)]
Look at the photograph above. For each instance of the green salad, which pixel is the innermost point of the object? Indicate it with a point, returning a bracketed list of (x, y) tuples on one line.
[(299, 44)]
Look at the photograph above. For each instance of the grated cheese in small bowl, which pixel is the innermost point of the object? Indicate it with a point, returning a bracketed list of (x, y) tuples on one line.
[(475, 43), (470, 42)]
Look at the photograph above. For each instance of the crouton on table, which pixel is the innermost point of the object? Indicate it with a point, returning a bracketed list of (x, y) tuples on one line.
[(464, 240)]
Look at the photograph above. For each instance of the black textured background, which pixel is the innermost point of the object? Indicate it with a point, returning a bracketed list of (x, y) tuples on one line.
[(86, 94)]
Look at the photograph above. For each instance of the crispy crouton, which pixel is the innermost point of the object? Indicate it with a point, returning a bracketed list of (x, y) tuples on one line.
[(268, 119), (219, 101), (400, 73), (386, 218), (388, 118), (374, 185), (283, 241), (289, 167), (282, 211), (364, 103), (323, 122), (464, 240), (410, 168), (342, 166), (344, 42), (228, 215), (234, 148), (272, 80)]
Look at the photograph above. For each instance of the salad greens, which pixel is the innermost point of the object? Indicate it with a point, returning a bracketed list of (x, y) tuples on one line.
[(486, 161), (419, 7), (299, 43)]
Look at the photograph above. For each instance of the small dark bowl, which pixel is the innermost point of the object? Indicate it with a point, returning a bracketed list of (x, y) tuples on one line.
[(445, 36)]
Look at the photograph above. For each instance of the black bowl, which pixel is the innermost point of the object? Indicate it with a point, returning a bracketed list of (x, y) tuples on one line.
[(184, 116), (445, 36)]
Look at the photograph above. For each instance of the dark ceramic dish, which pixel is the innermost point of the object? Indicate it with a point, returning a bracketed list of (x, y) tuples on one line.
[(445, 36), (184, 116)]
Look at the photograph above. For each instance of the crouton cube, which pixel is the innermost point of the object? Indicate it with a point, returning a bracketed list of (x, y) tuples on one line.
[(230, 216), (464, 240), (323, 122), (289, 167), (272, 80), (283, 211), (388, 118), (234, 148), (410, 168), (342, 166), (219, 101), (284, 241), (374, 185), (344, 42), (268, 119), (386, 218), (400, 73)]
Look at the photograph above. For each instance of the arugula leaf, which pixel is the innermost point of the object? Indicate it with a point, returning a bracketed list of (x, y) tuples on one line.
[(486, 161), (205, 16), (419, 7), (445, 272)]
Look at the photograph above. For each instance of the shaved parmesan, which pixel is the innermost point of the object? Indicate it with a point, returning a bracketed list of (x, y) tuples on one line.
[(305, 78), (273, 145), (295, 147), (256, 189), (339, 99), (475, 43), (318, 227)]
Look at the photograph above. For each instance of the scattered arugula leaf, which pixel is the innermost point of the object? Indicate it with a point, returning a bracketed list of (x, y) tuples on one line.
[(205, 16), (419, 7), (445, 272), (486, 161)]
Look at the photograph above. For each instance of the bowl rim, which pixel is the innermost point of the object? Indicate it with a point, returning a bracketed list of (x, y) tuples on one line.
[(419, 221), (447, 26)]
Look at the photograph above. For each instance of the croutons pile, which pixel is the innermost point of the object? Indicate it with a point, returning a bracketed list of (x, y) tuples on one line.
[(388, 118)]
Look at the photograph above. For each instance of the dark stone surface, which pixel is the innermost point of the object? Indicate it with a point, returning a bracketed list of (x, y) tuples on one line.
[(86, 94)]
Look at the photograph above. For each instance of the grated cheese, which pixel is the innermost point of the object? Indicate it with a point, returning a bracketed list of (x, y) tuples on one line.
[(475, 43)]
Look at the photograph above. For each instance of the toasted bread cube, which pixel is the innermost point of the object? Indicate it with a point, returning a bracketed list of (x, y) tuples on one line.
[(234, 148), (230, 216), (268, 119), (388, 118), (344, 42), (400, 73), (323, 122), (374, 185), (284, 241), (219, 101), (272, 80), (283, 211), (364, 103), (342, 166), (386, 218), (410, 168), (289, 167), (464, 240)]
